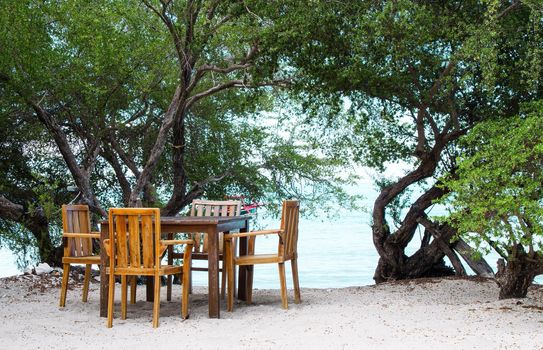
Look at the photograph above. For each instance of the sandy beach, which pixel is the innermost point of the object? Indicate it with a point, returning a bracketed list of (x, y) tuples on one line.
[(424, 314)]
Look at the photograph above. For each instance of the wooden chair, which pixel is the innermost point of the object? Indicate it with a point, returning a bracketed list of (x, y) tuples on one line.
[(135, 248), (287, 250), (77, 240), (201, 207)]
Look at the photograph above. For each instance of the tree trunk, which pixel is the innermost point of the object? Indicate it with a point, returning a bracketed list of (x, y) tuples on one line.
[(445, 245), (158, 147), (393, 263), (177, 200), (37, 224), (479, 266), (418, 267), (517, 275), (54, 258)]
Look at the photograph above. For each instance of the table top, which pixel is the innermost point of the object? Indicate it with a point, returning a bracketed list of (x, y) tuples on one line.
[(196, 220)]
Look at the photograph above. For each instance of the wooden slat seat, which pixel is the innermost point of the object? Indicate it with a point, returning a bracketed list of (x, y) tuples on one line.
[(77, 241), (149, 271), (81, 260), (287, 250), (202, 256), (207, 208), (135, 248), (258, 259)]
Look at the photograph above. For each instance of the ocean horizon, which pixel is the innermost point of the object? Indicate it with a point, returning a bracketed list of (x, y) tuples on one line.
[(324, 261), (334, 251)]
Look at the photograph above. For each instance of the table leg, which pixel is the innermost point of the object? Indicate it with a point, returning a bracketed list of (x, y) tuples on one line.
[(150, 288), (170, 277), (243, 271), (213, 272), (104, 281)]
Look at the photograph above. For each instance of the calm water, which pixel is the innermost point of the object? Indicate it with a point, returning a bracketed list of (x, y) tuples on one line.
[(332, 253), (7, 263), (348, 260)]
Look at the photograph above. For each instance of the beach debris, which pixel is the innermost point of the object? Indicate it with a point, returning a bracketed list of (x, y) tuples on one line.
[(43, 277), (57, 272), (43, 268)]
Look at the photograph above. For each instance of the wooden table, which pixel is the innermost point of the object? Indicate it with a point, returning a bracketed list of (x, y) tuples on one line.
[(176, 224)]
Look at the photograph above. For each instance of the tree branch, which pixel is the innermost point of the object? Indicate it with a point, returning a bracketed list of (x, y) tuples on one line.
[(10, 210), (435, 231), (179, 200), (234, 83), (158, 147), (516, 4), (169, 24), (92, 154), (110, 157), (78, 173), (127, 160), (242, 64), (140, 113), (213, 68)]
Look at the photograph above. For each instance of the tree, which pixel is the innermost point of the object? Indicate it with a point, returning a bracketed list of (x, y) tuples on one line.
[(416, 76), (87, 90), (496, 197)]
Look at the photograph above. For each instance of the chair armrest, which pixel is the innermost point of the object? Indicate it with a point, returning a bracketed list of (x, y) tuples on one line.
[(80, 235), (107, 246), (176, 241), (253, 233), (164, 243)]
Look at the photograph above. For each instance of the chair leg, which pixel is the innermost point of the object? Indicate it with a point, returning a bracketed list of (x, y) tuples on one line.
[(185, 293), (250, 270), (223, 278), (185, 282), (64, 288), (110, 300), (283, 280), (190, 277), (295, 280), (124, 290), (249, 288), (169, 277), (156, 303), (86, 282), (133, 289), (228, 257), (169, 281)]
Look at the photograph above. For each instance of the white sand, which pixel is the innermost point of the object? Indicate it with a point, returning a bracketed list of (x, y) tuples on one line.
[(436, 314)]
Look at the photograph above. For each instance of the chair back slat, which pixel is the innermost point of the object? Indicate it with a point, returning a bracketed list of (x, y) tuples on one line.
[(147, 241), (76, 219), (136, 240), (84, 244), (120, 237), (202, 207), (289, 223), (76, 243)]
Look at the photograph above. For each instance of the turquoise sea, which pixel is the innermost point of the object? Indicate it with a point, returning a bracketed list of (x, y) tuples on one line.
[(349, 258), (336, 252)]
